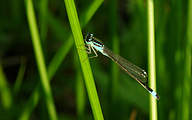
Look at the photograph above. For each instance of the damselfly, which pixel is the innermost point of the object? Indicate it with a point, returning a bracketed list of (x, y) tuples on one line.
[(134, 71)]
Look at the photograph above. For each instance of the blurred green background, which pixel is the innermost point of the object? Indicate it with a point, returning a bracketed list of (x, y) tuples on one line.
[(122, 27)]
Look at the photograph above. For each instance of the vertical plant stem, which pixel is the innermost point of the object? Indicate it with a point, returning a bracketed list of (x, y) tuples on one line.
[(43, 21), (80, 89), (40, 59), (187, 68), (114, 68), (151, 58), (86, 69), (113, 37)]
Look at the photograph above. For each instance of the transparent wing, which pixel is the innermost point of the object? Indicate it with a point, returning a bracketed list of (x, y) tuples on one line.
[(134, 71)]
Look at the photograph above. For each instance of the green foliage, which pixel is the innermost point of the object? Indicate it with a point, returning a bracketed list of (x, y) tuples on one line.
[(41, 77)]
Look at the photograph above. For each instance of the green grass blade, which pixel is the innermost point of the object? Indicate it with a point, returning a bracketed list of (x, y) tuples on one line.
[(6, 98), (114, 83), (90, 11), (40, 59), (43, 22), (80, 89), (89, 82), (59, 56), (80, 95), (20, 76), (185, 110), (151, 58), (30, 105), (115, 42)]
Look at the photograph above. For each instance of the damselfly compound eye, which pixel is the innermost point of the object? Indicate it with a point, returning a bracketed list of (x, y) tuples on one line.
[(88, 38)]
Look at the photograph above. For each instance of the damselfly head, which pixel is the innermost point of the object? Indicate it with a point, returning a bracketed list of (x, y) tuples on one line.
[(88, 38)]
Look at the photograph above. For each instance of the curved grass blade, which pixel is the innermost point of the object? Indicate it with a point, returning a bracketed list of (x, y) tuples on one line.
[(40, 59)]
